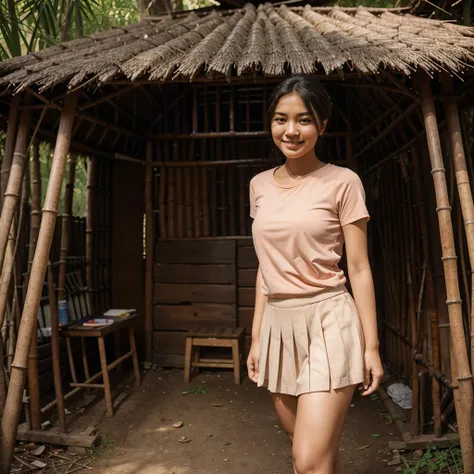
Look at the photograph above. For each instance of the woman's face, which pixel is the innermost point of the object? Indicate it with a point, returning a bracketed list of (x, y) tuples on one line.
[(293, 129)]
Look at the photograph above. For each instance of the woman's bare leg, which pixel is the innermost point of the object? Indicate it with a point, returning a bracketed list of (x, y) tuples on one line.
[(326, 413)]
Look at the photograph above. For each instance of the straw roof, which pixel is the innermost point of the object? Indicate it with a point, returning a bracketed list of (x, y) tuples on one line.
[(270, 40)]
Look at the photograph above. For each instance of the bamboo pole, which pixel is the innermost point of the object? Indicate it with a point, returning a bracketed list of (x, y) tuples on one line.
[(430, 291), (17, 381), (9, 145), (66, 222), (458, 158), (187, 199), (149, 245), (35, 219), (15, 181), (450, 269), (55, 351), (91, 182)]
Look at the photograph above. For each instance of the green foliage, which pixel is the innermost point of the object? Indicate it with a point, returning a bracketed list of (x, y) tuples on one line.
[(436, 461), (80, 184), (31, 25)]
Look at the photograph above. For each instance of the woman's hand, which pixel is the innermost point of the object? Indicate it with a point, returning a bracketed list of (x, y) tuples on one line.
[(373, 372), (252, 361)]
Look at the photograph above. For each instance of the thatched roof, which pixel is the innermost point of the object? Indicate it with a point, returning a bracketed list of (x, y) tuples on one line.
[(273, 40)]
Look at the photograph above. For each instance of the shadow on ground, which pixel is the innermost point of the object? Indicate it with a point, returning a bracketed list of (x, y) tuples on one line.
[(227, 429)]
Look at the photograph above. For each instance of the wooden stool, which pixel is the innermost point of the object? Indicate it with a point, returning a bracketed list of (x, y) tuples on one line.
[(213, 337)]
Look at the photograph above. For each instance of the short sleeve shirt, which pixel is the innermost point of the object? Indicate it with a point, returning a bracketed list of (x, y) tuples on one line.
[(297, 228)]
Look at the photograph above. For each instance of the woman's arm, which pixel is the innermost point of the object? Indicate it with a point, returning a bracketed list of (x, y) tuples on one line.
[(360, 276), (260, 302), (254, 354)]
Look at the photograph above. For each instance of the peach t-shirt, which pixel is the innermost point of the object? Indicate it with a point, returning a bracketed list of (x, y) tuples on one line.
[(297, 228)]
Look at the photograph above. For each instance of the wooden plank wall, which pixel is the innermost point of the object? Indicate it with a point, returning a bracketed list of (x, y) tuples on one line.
[(200, 282), (195, 285)]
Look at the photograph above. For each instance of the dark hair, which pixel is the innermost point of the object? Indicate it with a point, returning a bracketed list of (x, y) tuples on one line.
[(313, 94)]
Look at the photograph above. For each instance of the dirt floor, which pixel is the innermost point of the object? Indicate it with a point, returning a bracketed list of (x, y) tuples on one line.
[(226, 429)]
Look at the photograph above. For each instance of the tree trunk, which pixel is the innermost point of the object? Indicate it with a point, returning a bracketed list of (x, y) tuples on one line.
[(64, 31)]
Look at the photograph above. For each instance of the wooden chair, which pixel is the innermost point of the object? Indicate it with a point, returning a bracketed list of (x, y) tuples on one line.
[(214, 337)]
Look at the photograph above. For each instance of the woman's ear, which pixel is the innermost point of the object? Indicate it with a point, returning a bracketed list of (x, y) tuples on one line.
[(323, 128)]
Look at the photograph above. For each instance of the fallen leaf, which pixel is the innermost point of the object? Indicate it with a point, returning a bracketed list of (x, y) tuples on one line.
[(39, 451)]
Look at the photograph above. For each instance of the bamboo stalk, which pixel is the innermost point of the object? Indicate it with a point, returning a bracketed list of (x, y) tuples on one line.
[(430, 290), (213, 201), (171, 202), (223, 204), (179, 203), (162, 204), (55, 352), (450, 267), (91, 202), (15, 181), (149, 243), (9, 145), (187, 201), (205, 202), (215, 163), (66, 225), (196, 206), (411, 305), (462, 179), (17, 381), (231, 199)]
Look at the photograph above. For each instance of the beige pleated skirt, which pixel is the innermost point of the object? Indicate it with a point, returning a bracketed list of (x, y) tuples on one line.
[(311, 344)]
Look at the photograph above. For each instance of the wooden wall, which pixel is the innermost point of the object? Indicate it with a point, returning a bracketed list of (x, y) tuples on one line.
[(207, 282)]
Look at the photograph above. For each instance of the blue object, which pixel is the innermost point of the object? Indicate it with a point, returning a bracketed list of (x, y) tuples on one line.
[(62, 312)]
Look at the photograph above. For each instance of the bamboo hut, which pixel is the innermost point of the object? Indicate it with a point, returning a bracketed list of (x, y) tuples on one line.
[(172, 112)]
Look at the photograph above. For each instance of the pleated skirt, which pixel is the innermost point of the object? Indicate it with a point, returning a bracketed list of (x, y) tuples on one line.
[(311, 344)]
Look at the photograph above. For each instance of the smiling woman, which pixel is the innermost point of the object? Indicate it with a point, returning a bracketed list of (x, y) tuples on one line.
[(310, 347)]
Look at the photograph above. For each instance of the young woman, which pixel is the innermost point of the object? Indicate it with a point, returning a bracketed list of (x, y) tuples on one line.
[(310, 347)]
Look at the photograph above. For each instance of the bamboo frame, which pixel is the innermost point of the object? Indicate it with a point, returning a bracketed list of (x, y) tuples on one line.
[(66, 225), (454, 303), (55, 350), (149, 258), (462, 179), (9, 144), (15, 180), (13, 403), (430, 290), (91, 182)]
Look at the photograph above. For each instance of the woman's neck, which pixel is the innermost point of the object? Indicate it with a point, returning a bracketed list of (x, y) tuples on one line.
[(302, 166)]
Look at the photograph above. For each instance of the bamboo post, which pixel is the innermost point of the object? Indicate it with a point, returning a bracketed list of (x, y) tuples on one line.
[(15, 181), (162, 204), (430, 291), (462, 178), (17, 381), (55, 351), (149, 245), (450, 268), (9, 144), (66, 225), (187, 199), (35, 220), (91, 181)]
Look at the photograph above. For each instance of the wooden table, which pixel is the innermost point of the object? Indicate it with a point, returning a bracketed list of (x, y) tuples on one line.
[(78, 330)]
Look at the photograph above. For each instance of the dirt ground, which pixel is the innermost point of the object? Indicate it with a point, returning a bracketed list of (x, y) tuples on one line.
[(228, 429)]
